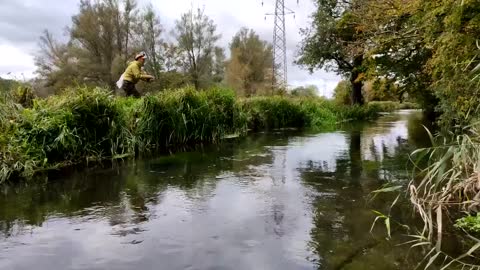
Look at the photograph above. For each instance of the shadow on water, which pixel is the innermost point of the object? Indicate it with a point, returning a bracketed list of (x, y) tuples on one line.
[(280, 200)]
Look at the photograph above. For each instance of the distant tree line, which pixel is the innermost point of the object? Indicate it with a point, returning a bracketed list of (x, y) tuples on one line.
[(105, 35)]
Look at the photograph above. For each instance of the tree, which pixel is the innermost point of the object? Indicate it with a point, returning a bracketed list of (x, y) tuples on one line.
[(149, 31), (130, 13), (55, 63), (429, 48), (342, 92), (397, 48), (219, 65), (100, 41), (382, 90), (305, 91), (248, 70), (196, 37), (94, 39), (335, 41)]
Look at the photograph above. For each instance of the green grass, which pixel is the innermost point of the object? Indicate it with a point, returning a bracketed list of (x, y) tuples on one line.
[(85, 124)]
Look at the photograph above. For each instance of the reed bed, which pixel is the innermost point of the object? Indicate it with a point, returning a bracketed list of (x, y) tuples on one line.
[(85, 125)]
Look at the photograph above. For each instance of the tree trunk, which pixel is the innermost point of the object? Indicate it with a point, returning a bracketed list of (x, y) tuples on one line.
[(357, 83)]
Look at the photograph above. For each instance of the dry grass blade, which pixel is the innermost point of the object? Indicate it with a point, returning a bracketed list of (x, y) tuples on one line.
[(450, 183)]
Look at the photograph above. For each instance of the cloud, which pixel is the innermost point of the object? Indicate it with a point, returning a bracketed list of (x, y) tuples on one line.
[(15, 63), (24, 20)]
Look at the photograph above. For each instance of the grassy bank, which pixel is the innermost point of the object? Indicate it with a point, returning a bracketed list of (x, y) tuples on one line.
[(84, 125)]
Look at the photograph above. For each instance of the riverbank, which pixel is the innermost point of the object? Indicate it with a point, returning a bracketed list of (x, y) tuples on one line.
[(87, 125), (283, 199)]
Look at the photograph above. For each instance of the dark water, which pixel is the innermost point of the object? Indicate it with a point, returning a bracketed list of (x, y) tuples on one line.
[(284, 200)]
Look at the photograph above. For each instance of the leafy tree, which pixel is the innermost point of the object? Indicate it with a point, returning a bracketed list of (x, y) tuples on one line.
[(129, 18), (219, 65), (196, 36), (382, 90), (249, 68), (342, 92), (305, 91), (429, 48), (335, 41), (55, 63), (397, 49), (149, 31), (451, 29), (100, 40), (94, 37)]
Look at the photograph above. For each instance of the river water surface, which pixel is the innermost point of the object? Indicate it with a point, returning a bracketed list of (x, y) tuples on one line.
[(277, 200)]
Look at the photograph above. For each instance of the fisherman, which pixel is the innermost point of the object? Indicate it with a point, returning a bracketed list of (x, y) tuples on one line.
[(133, 74)]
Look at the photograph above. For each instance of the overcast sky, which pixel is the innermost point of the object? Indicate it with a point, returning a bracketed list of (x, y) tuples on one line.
[(22, 22)]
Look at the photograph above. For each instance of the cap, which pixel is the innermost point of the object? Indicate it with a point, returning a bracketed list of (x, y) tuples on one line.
[(140, 55)]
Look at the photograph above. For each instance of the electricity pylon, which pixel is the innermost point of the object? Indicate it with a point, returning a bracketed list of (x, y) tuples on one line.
[(280, 79)]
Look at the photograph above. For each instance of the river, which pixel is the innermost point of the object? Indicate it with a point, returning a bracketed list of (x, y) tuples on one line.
[(276, 200)]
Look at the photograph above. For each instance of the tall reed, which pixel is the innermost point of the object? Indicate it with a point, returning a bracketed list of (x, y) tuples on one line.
[(85, 124)]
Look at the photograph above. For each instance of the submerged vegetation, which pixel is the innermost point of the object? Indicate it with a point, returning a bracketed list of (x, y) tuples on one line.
[(91, 124)]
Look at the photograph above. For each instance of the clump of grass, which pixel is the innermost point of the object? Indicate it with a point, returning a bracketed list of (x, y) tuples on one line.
[(76, 126), (442, 190), (384, 106), (23, 95), (273, 113), (356, 112), (266, 113), (185, 116), (318, 114)]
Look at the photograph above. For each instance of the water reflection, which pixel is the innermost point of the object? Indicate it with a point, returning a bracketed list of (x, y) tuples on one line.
[(284, 200)]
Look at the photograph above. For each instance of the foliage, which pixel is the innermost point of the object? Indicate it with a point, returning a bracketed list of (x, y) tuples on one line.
[(357, 112), (335, 42), (469, 223), (196, 36), (454, 58), (249, 70), (382, 90), (341, 93), (427, 49), (305, 91), (90, 124), (184, 116), (273, 112), (104, 37), (389, 106), (149, 31), (445, 183), (6, 85)]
